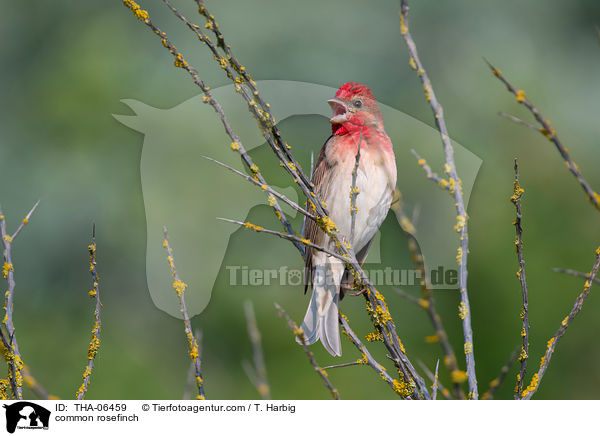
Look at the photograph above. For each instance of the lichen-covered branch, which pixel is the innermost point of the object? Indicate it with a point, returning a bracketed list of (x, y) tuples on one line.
[(427, 302), (368, 359), (462, 217), (236, 144), (548, 131), (565, 323), (12, 354), (299, 333), (516, 200), (179, 286), (95, 342)]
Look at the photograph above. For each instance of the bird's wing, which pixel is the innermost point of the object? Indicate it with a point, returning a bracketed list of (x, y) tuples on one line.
[(312, 231)]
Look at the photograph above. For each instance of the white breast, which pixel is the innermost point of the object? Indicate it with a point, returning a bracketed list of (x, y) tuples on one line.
[(375, 184)]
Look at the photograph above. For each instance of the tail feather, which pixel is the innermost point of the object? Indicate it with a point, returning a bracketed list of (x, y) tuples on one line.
[(321, 319)]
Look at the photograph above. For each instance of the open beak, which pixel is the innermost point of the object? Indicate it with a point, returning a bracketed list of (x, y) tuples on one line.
[(340, 111)]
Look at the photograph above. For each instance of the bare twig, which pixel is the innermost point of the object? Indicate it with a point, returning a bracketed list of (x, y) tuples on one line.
[(285, 236), (427, 302), (259, 372), (548, 131), (12, 355), (519, 121), (368, 359), (299, 333), (450, 169), (434, 388), (516, 199), (553, 342), (572, 272), (179, 286), (266, 188), (95, 342), (442, 183), (435, 380), (495, 384), (344, 365)]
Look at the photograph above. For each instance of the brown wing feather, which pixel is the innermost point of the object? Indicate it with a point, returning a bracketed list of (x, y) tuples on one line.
[(312, 230)]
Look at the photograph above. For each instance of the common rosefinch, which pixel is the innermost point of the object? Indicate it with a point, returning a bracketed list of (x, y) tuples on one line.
[(356, 118)]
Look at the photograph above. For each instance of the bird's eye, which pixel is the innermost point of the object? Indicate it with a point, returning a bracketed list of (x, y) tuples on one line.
[(357, 103)]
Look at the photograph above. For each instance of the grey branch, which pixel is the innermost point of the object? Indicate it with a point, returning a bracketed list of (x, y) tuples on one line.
[(548, 131), (516, 199), (427, 303), (450, 168), (439, 386), (566, 322), (13, 356), (179, 286), (95, 342), (572, 272), (191, 375)]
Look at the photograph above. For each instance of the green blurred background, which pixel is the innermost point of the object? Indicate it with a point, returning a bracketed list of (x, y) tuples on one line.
[(65, 68)]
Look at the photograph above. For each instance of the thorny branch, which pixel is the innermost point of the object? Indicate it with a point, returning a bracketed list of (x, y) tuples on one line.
[(95, 342), (516, 199), (179, 286), (462, 217)]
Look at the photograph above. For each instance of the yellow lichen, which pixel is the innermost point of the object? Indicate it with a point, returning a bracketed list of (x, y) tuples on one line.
[(137, 11), (461, 221), (458, 376), (412, 63), (520, 94), (254, 227), (532, 386), (468, 347), (463, 310), (179, 287), (432, 339), (6, 269)]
